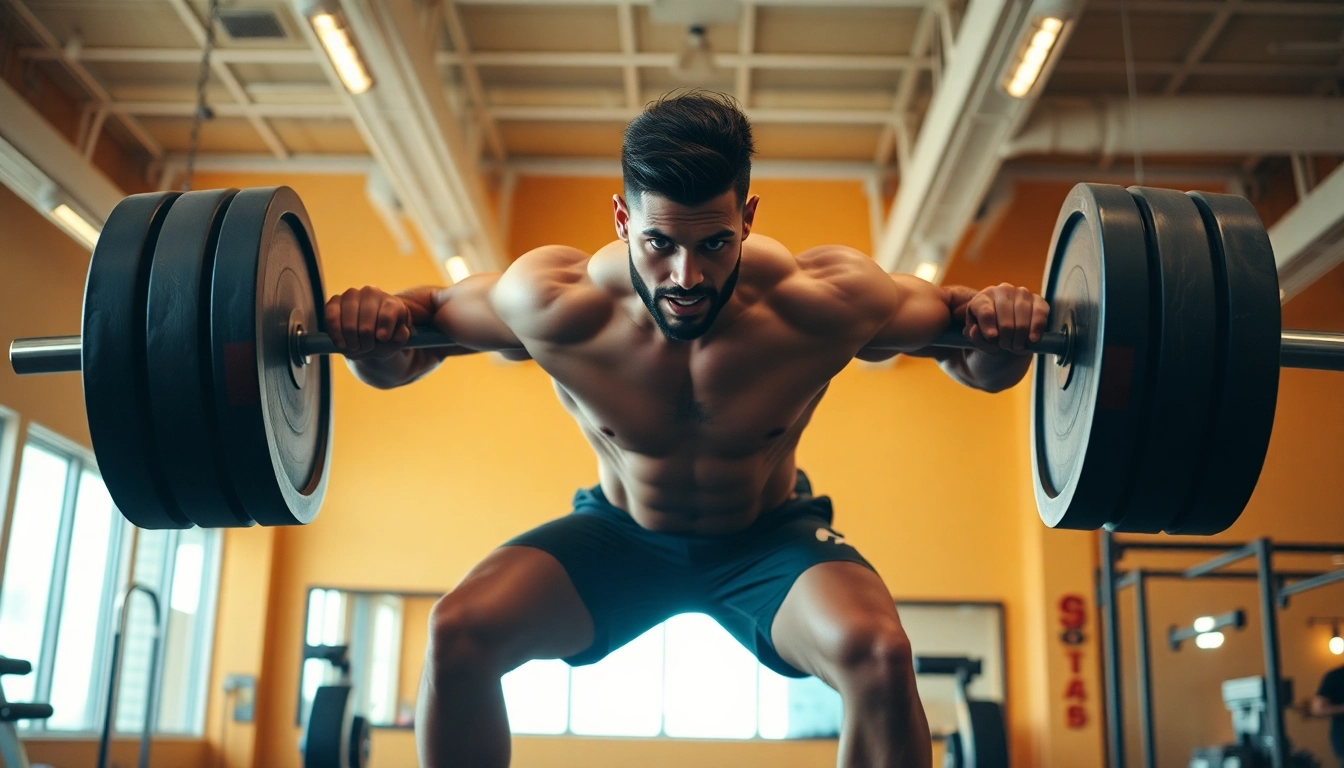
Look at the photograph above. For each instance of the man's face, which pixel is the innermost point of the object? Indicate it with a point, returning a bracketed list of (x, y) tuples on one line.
[(684, 260)]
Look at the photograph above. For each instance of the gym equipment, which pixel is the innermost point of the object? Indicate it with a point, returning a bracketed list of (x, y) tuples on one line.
[(334, 736), (12, 753), (1245, 698), (209, 399), (114, 674), (981, 739)]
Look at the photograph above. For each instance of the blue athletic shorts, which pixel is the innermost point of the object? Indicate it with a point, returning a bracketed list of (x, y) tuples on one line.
[(630, 578)]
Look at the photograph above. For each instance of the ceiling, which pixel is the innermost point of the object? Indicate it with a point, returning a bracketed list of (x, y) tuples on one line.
[(834, 88)]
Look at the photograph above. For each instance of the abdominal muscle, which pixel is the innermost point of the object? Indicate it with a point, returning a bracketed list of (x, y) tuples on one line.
[(685, 485)]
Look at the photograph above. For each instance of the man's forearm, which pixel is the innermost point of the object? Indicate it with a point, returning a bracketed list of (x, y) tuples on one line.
[(394, 370)]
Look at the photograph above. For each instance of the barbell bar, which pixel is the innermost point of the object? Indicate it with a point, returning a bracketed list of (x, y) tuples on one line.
[(1319, 350)]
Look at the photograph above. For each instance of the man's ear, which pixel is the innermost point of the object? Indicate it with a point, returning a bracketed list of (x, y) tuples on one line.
[(749, 215), (622, 213)]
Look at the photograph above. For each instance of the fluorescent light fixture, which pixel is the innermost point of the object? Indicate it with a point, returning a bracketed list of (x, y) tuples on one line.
[(1337, 645), (78, 226), (457, 268), (1209, 640), (1205, 624), (1037, 42), (340, 47), (926, 271)]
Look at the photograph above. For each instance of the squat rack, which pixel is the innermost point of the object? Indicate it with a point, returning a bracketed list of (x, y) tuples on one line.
[(1274, 591)]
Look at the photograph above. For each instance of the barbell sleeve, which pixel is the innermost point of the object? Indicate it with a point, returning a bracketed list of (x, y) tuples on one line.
[(1318, 350)]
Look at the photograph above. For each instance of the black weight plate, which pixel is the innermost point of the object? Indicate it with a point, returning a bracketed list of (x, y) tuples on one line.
[(177, 359), (1246, 386), (116, 394), (326, 737), (1182, 333), (1083, 415), (274, 417), (360, 742)]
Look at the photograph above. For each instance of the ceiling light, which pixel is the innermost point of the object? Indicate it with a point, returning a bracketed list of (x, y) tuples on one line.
[(1209, 640), (1337, 645), (1205, 624), (696, 61), (340, 47), (926, 271), (1038, 41), (79, 227), (457, 268)]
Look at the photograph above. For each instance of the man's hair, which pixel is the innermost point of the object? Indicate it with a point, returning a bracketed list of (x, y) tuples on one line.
[(689, 147)]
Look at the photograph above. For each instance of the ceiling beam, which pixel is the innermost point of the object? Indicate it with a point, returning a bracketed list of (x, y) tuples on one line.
[(1201, 47), (188, 108), (199, 34), (614, 60), (1250, 8), (625, 19), (624, 114), (837, 170), (178, 55), (82, 75), (484, 119), (1219, 68), (772, 3), (746, 47)]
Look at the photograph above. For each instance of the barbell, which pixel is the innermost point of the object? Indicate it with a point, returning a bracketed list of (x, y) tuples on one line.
[(207, 380)]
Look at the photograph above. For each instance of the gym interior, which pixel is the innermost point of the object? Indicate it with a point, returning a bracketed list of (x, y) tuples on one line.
[(941, 137)]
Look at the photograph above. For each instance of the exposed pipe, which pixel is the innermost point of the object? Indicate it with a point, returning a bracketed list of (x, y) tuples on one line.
[(1242, 125)]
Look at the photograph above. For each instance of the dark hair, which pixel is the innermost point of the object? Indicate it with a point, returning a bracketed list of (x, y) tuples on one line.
[(688, 147)]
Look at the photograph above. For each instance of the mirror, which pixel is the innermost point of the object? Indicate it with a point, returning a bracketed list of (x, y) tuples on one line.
[(373, 640), (376, 640)]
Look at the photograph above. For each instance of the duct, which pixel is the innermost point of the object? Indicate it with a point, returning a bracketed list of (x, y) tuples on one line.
[(1188, 125), (958, 152), (1309, 239)]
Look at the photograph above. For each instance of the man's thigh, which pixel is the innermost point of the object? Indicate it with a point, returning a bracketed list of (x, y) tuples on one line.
[(828, 605)]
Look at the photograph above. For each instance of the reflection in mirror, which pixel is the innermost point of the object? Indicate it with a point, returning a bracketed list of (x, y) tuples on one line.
[(685, 678), (384, 638)]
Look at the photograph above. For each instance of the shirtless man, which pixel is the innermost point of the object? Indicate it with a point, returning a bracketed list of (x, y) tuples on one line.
[(692, 358)]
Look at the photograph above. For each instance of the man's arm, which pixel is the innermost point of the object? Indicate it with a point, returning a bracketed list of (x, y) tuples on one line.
[(999, 321), (1321, 707)]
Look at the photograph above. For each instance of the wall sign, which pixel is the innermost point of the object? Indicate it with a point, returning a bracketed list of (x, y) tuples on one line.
[(1072, 620)]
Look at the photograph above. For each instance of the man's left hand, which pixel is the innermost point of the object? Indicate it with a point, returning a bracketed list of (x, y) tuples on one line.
[(1002, 318)]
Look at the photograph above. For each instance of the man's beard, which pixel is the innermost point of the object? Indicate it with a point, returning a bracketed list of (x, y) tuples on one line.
[(675, 328)]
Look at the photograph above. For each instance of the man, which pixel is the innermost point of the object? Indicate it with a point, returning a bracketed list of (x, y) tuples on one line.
[(692, 358), (1329, 702)]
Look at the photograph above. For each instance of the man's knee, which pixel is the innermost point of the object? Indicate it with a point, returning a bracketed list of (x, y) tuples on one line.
[(873, 657)]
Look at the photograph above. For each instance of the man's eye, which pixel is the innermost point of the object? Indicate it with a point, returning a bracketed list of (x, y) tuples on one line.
[(657, 243), (715, 245)]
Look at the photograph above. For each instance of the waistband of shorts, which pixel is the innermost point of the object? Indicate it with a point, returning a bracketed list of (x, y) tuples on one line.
[(801, 504)]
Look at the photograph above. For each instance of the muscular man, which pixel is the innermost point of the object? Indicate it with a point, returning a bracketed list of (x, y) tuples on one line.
[(692, 358)]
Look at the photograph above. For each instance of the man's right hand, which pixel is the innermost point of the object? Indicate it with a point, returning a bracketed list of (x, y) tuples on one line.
[(371, 323)]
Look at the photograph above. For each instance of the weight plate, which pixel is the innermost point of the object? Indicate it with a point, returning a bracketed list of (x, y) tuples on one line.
[(1245, 389), (177, 360), (1084, 410), (360, 742), (1182, 335), (274, 417), (327, 737), (116, 393)]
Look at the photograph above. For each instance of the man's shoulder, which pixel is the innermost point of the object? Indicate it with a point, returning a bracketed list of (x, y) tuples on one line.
[(820, 289), (550, 291)]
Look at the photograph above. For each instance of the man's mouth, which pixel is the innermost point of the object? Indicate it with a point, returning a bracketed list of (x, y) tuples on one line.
[(685, 305)]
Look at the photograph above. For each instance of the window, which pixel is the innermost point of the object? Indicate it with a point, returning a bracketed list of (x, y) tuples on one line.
[(68, 557), (685, 678), (327, 625)]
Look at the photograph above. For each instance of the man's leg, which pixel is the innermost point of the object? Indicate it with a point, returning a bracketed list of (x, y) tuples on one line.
[(839, 623), (516, 605)]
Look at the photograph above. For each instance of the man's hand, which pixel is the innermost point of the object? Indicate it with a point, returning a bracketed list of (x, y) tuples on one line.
[(370, 323), (1001, 318)]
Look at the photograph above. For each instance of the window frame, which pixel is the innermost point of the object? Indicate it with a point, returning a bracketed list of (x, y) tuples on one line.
[(15, 436)]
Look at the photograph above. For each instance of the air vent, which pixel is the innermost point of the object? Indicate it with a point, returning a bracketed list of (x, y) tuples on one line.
[(252, 24)]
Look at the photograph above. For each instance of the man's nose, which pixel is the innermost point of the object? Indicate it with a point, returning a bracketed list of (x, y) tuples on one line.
[(686, 274)]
